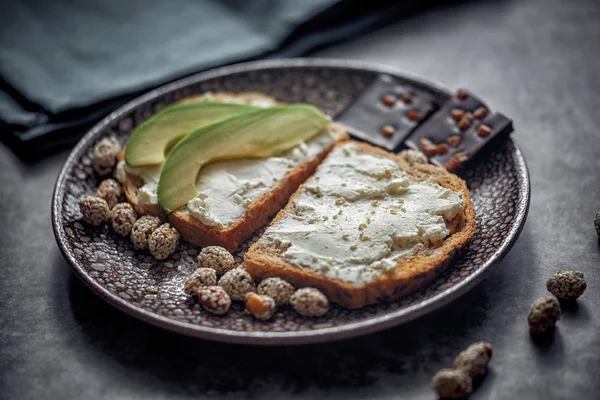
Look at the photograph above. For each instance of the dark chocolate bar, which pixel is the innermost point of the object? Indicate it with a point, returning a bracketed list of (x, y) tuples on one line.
[(458, 131), (387, 112)]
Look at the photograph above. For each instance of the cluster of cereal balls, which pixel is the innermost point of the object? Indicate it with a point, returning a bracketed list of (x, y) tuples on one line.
[(146, 232), (236, 284)]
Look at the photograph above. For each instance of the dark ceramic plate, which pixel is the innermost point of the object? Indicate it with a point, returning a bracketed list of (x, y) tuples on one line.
[(152, 290)]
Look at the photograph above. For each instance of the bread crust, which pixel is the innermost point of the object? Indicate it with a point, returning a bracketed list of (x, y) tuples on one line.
[(412, 272)]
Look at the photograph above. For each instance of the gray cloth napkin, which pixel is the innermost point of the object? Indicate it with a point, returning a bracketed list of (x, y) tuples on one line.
[(68, 54)]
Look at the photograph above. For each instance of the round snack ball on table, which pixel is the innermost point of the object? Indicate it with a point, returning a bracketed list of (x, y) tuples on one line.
[(543, 314), (199, 278), (217, 258), (309, 302), (142, 230), (123, 217), (105, 155), (260, 306), (276, 288), (566, 285), (452, 383), (474, 359), (110, 191), (237, 283), (214, 299), (413, 157), (94, 210), (163, 241)]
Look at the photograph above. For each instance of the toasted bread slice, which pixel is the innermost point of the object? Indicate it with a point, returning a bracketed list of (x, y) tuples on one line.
[(258, 212), (407, 273), (133, 183)]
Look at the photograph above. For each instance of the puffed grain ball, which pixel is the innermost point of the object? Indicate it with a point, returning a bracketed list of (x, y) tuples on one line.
[(237, 283), (309, 302), (260, 306), (413, 157), (566, 285), (543, 314), (142, 230), (123, 217), (214, 299), (474, 359), (276, 288), (163, 241), (94, 210), (452, 383), (217, 258), (199, 278), (110, 191), (105, 155), (120, 172)]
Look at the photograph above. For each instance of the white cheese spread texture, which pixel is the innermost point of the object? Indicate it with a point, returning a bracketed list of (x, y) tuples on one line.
[(359, 214), (147, 194), (226, 188)]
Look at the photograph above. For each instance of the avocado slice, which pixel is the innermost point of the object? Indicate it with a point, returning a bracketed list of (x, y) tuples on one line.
[(256, 134), (150, 142)]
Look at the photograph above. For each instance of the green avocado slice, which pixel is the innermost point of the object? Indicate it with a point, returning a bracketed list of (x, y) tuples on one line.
[(258, 134), (150, 142)]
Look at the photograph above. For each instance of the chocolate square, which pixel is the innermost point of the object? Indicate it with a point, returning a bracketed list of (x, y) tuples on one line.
[(387, 112)]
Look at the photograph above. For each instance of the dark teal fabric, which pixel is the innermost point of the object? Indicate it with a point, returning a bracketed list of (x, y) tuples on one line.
[(66, 63), (65, 54)]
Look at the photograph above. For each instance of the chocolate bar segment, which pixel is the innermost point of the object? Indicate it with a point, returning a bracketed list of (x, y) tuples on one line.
[(387, 112), (458, 131)]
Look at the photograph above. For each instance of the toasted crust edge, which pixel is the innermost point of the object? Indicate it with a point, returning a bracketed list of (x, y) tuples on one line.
[(411, 274)]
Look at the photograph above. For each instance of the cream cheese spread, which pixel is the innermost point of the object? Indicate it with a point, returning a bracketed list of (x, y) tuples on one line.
[(226, 188), (359, 214), (147, 194)]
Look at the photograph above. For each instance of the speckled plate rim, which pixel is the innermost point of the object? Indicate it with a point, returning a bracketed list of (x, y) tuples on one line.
[(297, 337)]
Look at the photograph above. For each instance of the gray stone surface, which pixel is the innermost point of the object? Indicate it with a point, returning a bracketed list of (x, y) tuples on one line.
[(537, 61)]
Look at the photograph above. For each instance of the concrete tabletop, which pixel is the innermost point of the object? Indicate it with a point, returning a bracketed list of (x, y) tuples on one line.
[(537, 61)]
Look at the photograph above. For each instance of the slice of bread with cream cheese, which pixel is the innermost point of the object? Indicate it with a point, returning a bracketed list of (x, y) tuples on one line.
[(368, 225)]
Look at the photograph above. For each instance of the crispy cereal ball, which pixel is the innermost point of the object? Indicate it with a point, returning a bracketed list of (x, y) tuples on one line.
[(413, 157), (566, 285), (110, 191), (474, 359), (452, 383), (123, 217), (105, 155), (120, 172), (163, 241), (199, 278), (217, 258), (260, 306), (94, 210), (237, 283), (214, 299), (142, 230), (543, 314), (276, 288), (309, 302)]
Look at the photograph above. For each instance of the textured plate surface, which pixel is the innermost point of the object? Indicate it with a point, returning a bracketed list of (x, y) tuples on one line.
[(152, 290)]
